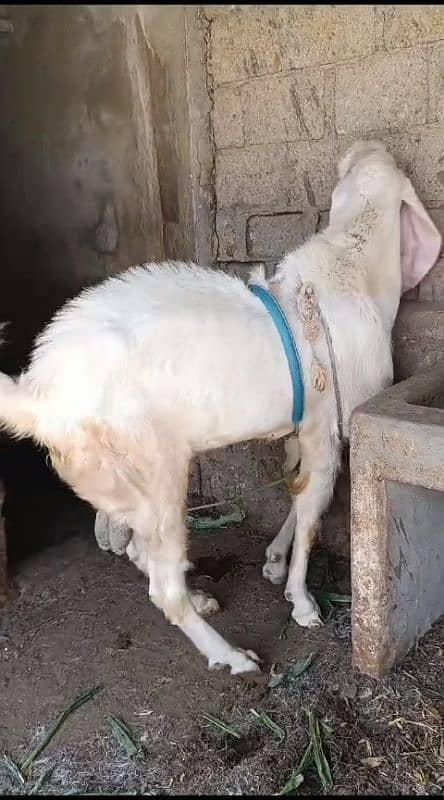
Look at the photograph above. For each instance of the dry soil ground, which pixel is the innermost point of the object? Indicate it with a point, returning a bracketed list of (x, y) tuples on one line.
[(81, 618)]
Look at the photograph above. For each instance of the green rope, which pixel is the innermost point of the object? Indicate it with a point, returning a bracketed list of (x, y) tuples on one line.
[(233, 499)]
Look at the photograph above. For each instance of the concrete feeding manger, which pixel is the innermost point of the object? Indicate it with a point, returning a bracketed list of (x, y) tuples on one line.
[(397, 519)]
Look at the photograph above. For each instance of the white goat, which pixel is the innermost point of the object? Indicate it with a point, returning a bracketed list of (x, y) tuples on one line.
[(135, 376)]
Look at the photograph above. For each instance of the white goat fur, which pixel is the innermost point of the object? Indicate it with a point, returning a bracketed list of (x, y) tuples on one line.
[(135, 376)]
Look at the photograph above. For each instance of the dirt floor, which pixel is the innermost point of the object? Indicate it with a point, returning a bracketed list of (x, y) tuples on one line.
[(82, 619)]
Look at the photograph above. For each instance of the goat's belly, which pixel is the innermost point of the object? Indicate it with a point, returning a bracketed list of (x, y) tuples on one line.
[(214, 412)]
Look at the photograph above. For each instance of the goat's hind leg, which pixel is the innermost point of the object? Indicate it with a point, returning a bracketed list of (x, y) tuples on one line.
[(111, 534), (115, 536), (158, 547), (319, 463)]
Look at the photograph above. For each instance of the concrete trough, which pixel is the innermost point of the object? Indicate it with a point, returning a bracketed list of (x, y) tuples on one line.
[(397, 519)]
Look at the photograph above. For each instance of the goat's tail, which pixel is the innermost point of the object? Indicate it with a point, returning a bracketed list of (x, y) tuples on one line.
[(17, 408), (17, 405)]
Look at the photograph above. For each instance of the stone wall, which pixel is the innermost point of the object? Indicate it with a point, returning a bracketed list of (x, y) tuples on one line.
[(291, 88)]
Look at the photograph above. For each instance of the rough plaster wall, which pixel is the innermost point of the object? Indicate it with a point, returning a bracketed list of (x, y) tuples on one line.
[(291, 87), (93, 151), (165, 28), (94, 165)]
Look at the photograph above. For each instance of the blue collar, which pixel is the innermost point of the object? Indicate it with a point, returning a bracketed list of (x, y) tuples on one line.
[(294, 362)]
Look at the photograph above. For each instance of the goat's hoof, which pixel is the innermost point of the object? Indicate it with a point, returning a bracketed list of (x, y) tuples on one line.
[(244, 661), (241, 662), (203, 603), (101, 530), (111, 535), (309, 615), (120, 536), (275, 567)]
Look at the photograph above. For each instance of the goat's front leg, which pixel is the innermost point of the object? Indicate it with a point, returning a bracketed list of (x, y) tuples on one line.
[(275, 567), (319, 464)]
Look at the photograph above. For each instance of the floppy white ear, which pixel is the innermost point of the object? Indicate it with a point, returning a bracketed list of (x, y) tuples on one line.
[(420, 239)]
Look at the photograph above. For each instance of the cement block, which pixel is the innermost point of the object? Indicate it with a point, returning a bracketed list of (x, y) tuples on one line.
[(276, 177), (231, 234), (397, 508), (252, 176), (411, 294), (259, 40), (368, 93), (420, 153), (412, 24), (436, 82), (324, 217), (244, 43), (418, 337), (325, 34), (242, 269), (312, 174), (228, 122), (437, 215), (424, 153), (432, 287), (297, 103), (269, 236)]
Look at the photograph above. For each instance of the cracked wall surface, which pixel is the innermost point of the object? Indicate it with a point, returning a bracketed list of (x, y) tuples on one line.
[(291, 88)]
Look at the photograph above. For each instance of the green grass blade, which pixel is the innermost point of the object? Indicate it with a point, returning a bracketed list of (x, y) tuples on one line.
[(306, 759), (60, 721), (297, 776), (328, 600), (301, 666), (222, 726), (293, 783), (292, 673), (276, 680), (322, 765), (43, 778), (124, 736), (14, 770), (334, 597), (327, 729), (266, 722), (207, 523)]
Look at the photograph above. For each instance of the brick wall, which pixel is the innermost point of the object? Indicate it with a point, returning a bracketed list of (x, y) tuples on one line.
[(291, 88)]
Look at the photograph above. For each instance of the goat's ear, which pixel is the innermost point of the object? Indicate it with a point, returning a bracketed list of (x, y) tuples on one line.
[(420, 239)]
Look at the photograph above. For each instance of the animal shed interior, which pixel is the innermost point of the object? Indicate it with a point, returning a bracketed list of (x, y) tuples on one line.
[(130, 134)]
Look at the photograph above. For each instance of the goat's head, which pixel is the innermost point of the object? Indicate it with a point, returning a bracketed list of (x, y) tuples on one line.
[(420, 240)]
